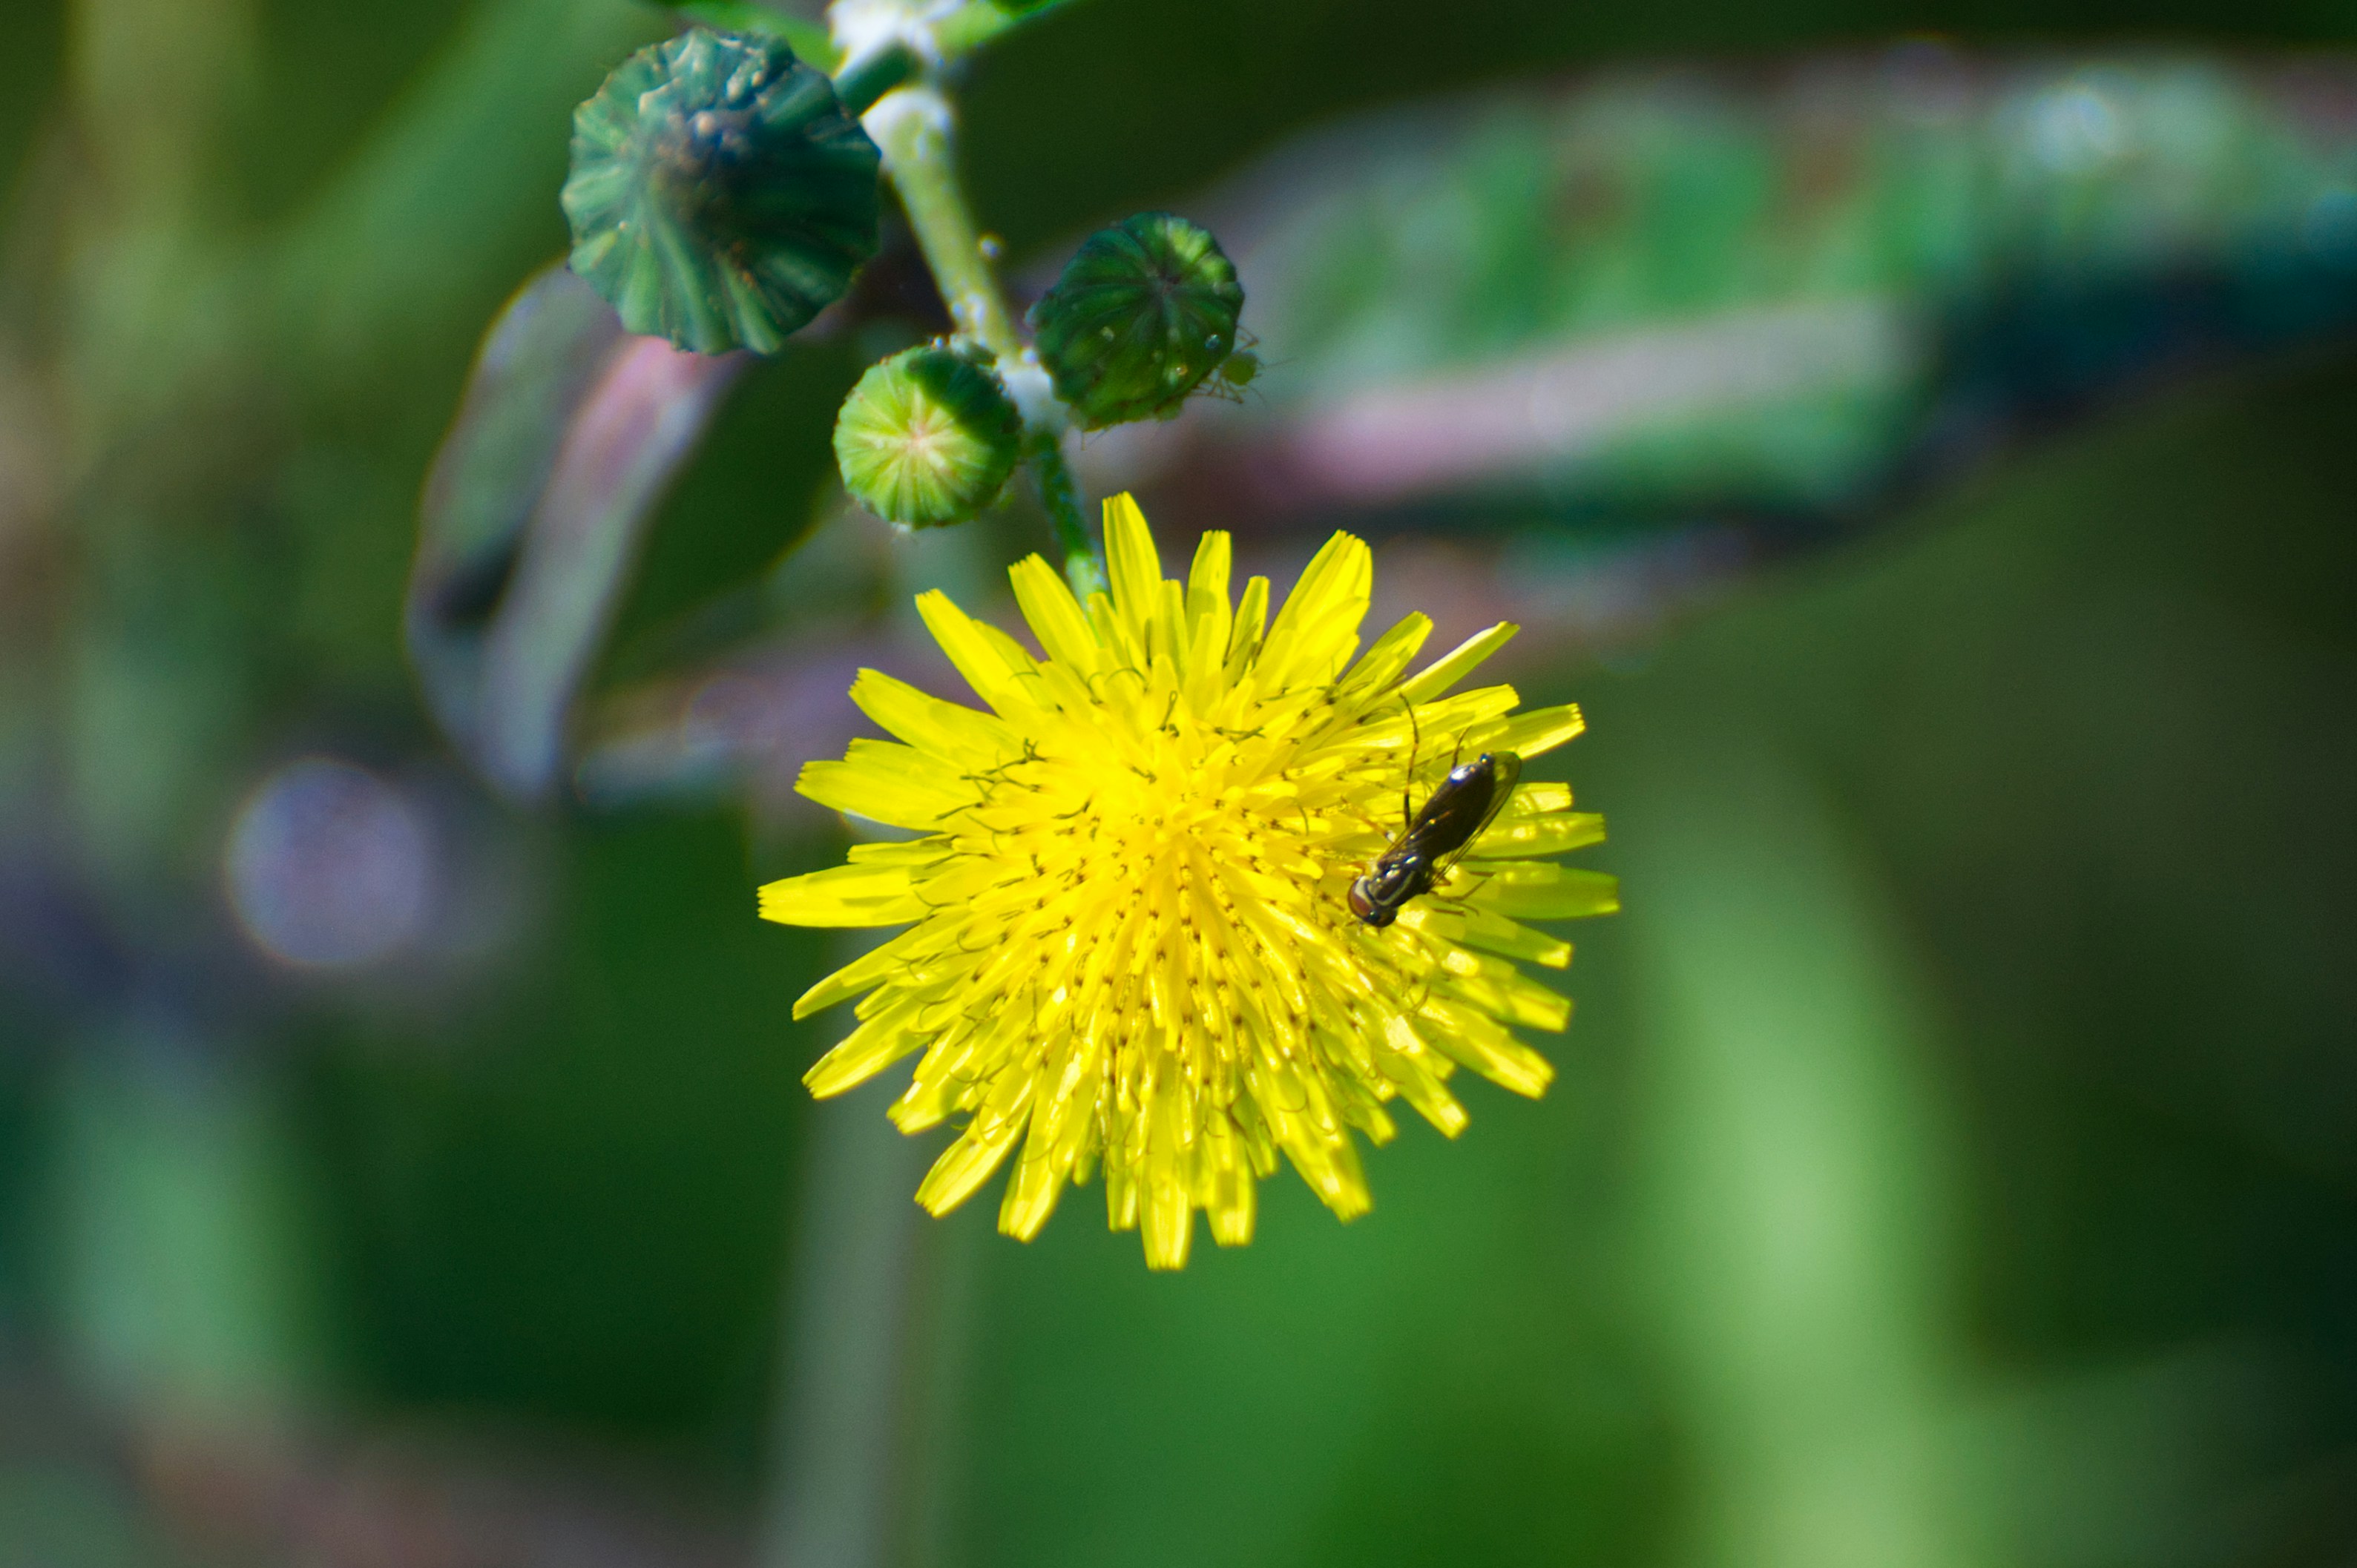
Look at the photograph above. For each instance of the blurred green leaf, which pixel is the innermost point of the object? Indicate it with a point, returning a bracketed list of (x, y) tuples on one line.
[(1798, 1173), (61, 1517), (570, 1203), (188, 1275), (973, 26), (456, 192), (1797, 292), (807, 38)]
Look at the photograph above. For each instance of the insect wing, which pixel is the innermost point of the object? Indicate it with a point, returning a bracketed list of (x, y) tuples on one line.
[(1459, 809), (1505, 772), (1508, 766)]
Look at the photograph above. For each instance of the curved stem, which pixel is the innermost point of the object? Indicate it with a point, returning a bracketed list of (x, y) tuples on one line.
[(1084, 567), (862, 82), (912, 125)]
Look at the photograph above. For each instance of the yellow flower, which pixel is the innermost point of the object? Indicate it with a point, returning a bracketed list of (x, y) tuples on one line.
[(1131, 947)]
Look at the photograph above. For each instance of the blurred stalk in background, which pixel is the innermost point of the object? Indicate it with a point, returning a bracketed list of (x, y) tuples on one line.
[(1797, 1176)]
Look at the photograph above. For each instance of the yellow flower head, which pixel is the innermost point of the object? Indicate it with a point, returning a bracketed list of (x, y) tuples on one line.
[(1132, 946)]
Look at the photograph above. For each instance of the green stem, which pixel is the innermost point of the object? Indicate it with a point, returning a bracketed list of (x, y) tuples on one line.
[(912, 125), (1083, 562), (863, 81)]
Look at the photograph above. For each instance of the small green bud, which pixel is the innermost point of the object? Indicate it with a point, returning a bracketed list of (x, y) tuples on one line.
[(720, 196), (1143, 313), (928, 437)]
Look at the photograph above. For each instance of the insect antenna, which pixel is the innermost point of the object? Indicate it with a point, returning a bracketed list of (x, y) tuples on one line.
[(1407, 810)]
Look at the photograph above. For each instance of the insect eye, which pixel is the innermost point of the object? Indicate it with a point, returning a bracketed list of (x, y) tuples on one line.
[(1361, 904)]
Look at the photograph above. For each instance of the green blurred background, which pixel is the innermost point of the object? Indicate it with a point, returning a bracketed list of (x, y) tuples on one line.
[(1955, 1157)]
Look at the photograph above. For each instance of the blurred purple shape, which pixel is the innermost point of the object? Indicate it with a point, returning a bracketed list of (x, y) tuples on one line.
[(1453, 432), (328, 866), (747, 723), (570, 435), (640, 421)]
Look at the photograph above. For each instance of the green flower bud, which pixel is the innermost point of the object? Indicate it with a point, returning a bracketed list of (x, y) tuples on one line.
[(1142, 313), (720, 196), (928, 437)]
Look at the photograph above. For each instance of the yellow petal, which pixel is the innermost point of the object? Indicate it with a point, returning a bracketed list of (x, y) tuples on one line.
[(1489, 930), (1055, 616), (1010, 652), (1132, 568), (1382, 663), (1538, 890), (1483, 1044), (1032, 1190), (888, 783), (843, 896), (967, 1162), (1541, 730), (1124, 647), (1521, 838), (973, 739), (1406, 1064), (1252, 615), (917, 854), (865, 972), (1503, 990), (868, 1050), (1225, 1186), (1458, 662), (1318, 629), (1168, 646), (980, 660), (1536, 797), (1207, 585)]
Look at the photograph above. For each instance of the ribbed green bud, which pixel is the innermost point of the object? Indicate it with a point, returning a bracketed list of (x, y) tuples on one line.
[(720, 196), (1142, 313), (928, 437)]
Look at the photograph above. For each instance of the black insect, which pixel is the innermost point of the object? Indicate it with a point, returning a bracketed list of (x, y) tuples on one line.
[(1467, 801)]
